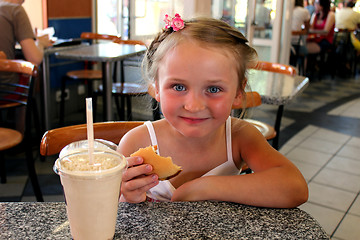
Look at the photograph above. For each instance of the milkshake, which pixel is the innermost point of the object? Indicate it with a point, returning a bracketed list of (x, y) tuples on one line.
[(91, 191)]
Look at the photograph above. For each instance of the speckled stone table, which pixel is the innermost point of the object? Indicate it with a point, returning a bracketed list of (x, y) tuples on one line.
[(186, 220)]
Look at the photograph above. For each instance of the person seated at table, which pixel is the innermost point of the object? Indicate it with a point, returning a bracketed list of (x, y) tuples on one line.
[(15, 27), (199, 71), (346, 21), (300, 25), (346, 17), (320, 40)]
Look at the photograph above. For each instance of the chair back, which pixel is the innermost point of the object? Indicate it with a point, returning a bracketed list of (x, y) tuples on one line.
[(56, 139), (18, 89), (2, 55), (131, 42), (275, 67), (97, 36)]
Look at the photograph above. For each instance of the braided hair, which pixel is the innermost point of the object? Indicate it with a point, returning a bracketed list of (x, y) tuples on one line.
[(209, 33)]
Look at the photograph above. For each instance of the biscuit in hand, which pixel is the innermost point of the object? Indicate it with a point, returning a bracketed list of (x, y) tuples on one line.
[(162, 166)]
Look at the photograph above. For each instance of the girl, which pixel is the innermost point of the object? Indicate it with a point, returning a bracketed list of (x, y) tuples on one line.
[(198, 68)]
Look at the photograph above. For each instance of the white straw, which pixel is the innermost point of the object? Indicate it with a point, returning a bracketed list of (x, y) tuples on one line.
[(90, 129)]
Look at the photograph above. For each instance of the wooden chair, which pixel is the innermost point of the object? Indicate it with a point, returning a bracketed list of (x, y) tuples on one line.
[(14, 95), (253, 99), (2, 55), (83, 75), (125, 90), (275, 67), (56, 139), (283, 69)]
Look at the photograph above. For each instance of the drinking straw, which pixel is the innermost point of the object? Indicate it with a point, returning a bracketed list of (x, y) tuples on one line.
[(90, 129)]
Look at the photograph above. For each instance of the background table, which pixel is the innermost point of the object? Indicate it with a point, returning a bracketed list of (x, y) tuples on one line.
[(180, 220), (276, 89), (106, 53)]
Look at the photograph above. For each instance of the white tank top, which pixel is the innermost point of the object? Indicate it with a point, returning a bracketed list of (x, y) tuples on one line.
[(164, 190)]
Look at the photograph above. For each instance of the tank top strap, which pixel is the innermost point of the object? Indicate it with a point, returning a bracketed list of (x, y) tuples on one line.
[(152, 134), (228, 140)]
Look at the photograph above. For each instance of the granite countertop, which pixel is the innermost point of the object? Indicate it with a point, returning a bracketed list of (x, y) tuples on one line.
[(182, 220)]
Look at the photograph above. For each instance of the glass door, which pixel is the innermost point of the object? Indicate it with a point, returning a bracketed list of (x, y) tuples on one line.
[(264, 24)]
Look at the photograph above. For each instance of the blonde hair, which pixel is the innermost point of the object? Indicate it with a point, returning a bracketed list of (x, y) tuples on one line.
[(209, 33)]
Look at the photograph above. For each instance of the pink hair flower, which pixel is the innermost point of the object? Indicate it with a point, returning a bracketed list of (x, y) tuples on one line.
[(167, 21), (176, 23)]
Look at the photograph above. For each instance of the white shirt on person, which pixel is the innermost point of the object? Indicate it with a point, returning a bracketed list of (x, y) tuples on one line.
[(347, 18), (300, 15)]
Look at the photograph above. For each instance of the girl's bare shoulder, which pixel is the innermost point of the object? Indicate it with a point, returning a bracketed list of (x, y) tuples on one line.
[(136, 138), (244, 131)]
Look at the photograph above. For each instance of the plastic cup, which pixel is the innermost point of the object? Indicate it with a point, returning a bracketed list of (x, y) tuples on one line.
[(91, 193)]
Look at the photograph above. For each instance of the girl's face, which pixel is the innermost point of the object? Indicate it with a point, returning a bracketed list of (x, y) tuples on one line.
[(196, 88)]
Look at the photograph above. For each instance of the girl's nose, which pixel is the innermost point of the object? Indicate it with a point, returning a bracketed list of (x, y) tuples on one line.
[(194, 103)]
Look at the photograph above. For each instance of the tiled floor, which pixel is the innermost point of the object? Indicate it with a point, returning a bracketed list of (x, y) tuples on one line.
[(320, 133)]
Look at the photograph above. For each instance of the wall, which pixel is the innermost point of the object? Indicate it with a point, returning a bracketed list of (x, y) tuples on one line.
[(34, 11), (69, 17)]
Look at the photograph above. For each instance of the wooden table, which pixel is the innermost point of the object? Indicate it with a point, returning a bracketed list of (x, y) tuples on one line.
[(166, 220), (106, 53), (276, 89)]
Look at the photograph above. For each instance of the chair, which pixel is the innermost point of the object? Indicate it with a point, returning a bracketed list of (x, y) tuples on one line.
[(125, 90), (83, 75), (283, 69), (15, 95), (56, 139), (344, 51), (2, 55), (297, 58), (275, 67), (253, 99)]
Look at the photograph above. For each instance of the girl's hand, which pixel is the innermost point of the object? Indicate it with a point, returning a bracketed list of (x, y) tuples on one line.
[(136, 181)]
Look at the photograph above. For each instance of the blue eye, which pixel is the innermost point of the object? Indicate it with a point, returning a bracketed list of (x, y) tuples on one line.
[(213, 89), (179, 87)]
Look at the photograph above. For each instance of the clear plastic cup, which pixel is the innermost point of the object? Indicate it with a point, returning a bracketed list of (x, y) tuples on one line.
[(91, 191)]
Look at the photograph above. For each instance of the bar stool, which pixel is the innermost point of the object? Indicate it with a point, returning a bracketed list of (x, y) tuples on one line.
[(84, 75)]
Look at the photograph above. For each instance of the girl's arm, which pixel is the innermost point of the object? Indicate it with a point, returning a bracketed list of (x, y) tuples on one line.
[(276, 182)]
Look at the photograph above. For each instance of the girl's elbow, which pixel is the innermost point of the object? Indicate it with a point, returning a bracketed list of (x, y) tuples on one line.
[(300, 195)]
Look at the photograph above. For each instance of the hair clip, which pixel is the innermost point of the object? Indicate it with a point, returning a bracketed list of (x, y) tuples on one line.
[(176, 23)]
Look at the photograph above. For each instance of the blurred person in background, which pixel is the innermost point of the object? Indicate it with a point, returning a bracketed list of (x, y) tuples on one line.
[(15, 28), (300, 26), (322, 25), (346, 17), (309, 5)]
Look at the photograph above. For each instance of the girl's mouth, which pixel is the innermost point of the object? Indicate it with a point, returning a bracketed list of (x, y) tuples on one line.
[(192, 120)]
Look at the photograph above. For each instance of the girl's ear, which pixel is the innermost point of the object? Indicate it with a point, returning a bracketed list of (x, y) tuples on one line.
[(238, 100), (153, 91), (157, 94)]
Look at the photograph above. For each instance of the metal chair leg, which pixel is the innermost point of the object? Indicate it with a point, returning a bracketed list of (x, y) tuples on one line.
[(275, 141)]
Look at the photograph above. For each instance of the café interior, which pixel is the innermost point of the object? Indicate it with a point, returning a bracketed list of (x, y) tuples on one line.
[(319, 127)]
